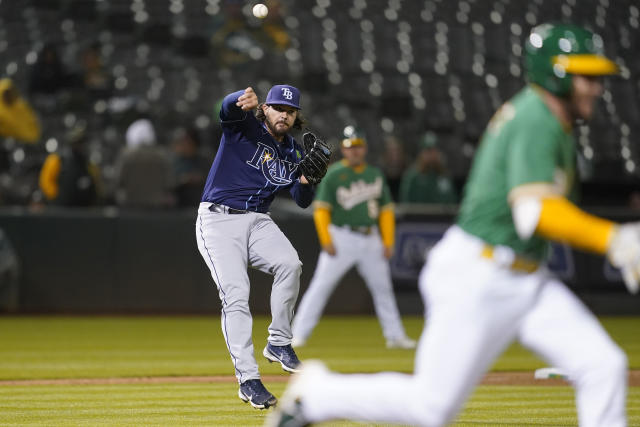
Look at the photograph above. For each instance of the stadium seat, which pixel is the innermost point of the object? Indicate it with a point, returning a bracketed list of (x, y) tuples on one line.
[(120, 21), (436, 64), (81, 10)]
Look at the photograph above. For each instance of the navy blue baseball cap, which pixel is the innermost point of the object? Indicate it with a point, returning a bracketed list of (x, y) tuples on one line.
[(284, 95)]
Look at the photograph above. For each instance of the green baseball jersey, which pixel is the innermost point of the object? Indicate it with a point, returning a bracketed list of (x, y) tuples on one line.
[(354, 196), (429, 187), (524, 143)]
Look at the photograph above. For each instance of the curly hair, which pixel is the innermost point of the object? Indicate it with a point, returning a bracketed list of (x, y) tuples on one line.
[(298, 124)]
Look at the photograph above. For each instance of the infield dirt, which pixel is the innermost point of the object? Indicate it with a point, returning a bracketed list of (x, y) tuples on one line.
[(492, 378)]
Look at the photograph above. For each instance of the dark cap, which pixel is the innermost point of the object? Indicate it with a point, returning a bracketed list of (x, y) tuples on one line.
[(284, 95), (429, 140)]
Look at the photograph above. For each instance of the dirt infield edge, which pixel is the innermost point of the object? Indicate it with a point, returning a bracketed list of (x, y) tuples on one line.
[(492, 378)]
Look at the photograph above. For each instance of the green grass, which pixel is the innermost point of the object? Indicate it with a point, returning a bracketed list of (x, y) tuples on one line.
[(149, 404), (97, 347), (72, 347), (217, 404)]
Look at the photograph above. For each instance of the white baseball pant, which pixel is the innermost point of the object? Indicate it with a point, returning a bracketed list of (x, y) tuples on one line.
[(475, 308), (229, 244), (366, 252)]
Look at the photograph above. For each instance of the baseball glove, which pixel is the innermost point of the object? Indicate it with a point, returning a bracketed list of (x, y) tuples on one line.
[(316, 160)]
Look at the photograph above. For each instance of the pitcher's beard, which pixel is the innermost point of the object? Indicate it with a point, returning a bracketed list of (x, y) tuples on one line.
[(274, 131)]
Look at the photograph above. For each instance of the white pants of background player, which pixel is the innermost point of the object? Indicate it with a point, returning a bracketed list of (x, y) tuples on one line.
[(366, 252), (229, 244), (475, 308)]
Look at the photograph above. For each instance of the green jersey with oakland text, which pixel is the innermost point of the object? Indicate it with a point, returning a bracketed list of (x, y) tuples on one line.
[(524, 144), (354, 196)]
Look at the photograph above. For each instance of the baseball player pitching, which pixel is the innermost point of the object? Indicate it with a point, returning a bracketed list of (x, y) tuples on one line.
[(355, 223), (485, 283), (257, 158)]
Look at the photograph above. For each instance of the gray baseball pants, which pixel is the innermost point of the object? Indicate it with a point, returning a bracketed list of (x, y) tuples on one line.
[(229, 243)]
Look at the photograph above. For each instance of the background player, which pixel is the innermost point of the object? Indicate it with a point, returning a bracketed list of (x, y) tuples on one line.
[(256, 159), (485, 283), (427, 179), (352, 200)]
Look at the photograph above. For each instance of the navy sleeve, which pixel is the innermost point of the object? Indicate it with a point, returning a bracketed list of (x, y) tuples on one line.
[(302, 193), (230, 111)]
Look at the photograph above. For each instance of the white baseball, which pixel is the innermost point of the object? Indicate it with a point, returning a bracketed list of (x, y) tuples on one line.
[(260, 10)]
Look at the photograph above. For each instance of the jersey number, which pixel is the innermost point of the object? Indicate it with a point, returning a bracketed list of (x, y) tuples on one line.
[(372, 208)]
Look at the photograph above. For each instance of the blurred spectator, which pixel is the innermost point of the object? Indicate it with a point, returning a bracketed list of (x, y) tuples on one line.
[(634, 200), (17, 119), (48, 75), (94, 76), (145, 176), (233, 40), (273, 26), (239, 39), (393, 163), (9, 275), (190, 167), (426, 180), (67, 178)]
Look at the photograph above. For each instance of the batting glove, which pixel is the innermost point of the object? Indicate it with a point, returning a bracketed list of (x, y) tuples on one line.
[(624, 253)]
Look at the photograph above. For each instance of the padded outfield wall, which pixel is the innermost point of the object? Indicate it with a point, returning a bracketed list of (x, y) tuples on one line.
[(110, 261)]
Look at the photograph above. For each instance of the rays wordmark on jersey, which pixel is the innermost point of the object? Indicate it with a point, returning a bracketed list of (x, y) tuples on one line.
[(359, 191), (275, 170)]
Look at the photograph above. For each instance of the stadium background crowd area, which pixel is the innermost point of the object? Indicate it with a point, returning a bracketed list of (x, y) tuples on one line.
[(390, 67)]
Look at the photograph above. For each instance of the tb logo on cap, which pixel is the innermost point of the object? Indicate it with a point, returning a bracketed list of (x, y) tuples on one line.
[(286, 92), (283, 95)]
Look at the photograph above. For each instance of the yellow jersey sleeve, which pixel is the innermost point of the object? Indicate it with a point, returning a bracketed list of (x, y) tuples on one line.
[(49, 176), (322, 219), (561, 220), (387, 224)]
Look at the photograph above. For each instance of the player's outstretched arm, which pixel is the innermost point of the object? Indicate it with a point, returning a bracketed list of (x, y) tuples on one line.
[(235, 105), (562, 220), (624, 253), (556, 218), (248, 100)]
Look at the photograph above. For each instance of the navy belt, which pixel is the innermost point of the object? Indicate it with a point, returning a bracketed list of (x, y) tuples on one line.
[(225, 209)]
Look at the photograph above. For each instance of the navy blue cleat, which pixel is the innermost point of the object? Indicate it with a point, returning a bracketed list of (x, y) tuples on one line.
[(284, 355), (255, 393)]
